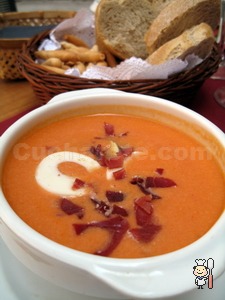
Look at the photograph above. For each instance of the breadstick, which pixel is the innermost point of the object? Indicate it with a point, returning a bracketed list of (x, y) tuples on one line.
[(63, 55), (66, 45), (110, 58), (69, 46), (70, 64), (75, 40), (90, 65), (101, 63), (53, 62), (95, 48), (80, 66), (67, 55), (65, 67), (78, 50), (89, 56), (54, 69)]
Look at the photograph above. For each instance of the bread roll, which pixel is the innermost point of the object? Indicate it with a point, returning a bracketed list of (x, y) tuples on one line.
[(198, 40), (121, 25), (178, 16)]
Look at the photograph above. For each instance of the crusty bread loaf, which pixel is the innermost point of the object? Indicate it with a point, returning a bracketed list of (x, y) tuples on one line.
[(121, 25), (198, 40), (178, 16)]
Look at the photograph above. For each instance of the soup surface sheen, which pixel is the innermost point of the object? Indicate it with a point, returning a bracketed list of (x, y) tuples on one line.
[(152, 189)]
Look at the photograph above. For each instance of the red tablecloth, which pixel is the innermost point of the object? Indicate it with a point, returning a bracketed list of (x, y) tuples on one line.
[(6, 123), (203, 103)]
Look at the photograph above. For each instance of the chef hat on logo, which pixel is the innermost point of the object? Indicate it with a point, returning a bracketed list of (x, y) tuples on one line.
[(200, 262)]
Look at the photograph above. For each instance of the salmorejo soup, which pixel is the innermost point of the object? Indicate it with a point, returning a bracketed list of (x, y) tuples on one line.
[(115, 185)]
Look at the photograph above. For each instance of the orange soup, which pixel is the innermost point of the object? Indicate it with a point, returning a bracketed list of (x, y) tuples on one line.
[(114, 185)]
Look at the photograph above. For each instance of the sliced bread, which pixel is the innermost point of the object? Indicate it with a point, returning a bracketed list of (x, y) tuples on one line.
[(121, 25), (178, 16), (198, 40)]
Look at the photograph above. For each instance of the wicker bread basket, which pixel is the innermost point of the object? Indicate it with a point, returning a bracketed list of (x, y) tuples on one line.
[(178, 88), (11, 47)]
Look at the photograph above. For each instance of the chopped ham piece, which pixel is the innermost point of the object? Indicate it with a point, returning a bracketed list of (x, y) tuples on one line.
[(113, 196), (71, 208), (159, 182), (146, 233), (116, 226), (109, 129)]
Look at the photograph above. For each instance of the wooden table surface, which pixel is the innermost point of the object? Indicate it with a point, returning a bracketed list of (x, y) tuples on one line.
[(15, 97)]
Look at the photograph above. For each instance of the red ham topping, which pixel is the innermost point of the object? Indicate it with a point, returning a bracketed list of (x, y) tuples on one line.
[(78, 183), (113, 196), (123, 134), (118, 210), (99, 154), (102, 207), (114, 162), (140, 182), (146, 233), (79, 228), (159, 182), (137, 180), (144, 203), (143, 210), (120, 174), (71, 208), (159, 171), (97, 151), (117, 226), (116, 238), (126, 151), (107, 209), (109, 129)]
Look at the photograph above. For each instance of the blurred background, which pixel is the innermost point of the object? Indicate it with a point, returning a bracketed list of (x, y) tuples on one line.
[(30, 5)]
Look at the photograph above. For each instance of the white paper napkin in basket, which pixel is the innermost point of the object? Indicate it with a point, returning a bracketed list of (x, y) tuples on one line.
[(136, 68)]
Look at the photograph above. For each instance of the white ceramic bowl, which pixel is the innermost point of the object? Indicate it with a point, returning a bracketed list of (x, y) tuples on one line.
[(146, 278)]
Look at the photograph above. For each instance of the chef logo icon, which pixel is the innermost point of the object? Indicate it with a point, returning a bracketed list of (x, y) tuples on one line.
[(203, 272)]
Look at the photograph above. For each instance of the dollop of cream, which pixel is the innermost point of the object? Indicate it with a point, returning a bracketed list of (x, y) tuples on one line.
[(51, 179)]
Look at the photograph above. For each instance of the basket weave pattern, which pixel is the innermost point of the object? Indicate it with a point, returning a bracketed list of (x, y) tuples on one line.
[(11, 48), (8, 69), (178, 88)]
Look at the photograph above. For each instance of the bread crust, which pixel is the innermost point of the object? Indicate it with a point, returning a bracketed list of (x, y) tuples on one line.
[(197, 40), (120, 25), (178, 16)]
